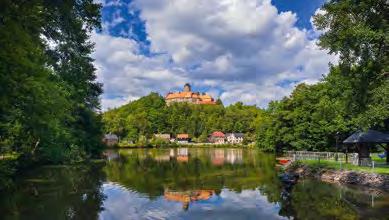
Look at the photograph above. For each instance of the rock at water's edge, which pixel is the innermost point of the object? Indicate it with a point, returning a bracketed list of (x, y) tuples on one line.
[(380, 181)]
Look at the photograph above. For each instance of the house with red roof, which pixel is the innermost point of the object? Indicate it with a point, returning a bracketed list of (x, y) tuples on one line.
[(182, 138), (217, 137)]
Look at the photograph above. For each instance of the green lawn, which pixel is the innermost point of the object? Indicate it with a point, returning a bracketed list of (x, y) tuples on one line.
[(375, 158), (337, 166)]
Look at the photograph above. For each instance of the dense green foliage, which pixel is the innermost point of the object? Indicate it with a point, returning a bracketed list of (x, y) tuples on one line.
[(149, 115), (353, 96), (48, 93)]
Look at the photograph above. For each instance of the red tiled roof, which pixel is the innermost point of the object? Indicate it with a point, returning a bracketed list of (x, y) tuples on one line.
[(182, 136), (177, 95), (217, 134), (201, 98)]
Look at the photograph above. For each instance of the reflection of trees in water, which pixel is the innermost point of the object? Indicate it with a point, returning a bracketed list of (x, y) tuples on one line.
[(311, 200), (150, 172), (56, 193)]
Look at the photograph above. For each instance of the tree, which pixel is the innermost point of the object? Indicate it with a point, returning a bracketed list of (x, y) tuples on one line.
[(47, 82), (352, 96), (357, 31)]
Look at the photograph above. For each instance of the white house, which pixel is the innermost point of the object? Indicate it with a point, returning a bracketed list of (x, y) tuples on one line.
[(234, 138), (110, 139)]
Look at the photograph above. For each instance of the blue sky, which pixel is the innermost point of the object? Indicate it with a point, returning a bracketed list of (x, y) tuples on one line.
[(303, 8), (237, 50)]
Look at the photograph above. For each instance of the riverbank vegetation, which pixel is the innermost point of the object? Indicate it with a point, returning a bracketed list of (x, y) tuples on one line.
[(49, 95)]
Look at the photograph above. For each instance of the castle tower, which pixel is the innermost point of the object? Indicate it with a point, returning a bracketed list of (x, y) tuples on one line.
[(187, 88)]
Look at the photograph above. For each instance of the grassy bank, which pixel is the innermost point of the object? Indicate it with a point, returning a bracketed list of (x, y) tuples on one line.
[(335, 165)]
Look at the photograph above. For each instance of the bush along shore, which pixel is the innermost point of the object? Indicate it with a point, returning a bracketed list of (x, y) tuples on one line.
[(366, 179)]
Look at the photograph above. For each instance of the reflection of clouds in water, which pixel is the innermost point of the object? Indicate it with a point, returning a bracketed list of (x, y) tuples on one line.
[(122, 203), (248, 204)]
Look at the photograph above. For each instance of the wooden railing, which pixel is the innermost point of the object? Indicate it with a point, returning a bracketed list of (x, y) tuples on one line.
[(310, 155)]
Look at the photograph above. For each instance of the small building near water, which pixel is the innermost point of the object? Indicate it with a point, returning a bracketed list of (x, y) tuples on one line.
[(110, 139), (182, 138), (363, 140), (217, 137), (234, 138)]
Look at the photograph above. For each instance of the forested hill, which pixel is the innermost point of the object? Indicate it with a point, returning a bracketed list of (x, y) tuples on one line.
[(150, 115)]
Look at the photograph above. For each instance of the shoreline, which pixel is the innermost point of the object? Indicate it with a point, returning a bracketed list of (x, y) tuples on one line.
[(182, 145), (343, 177)]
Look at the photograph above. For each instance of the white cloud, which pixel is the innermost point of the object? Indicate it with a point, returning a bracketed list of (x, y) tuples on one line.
[(127, 74), (122, 203), (240, 50)]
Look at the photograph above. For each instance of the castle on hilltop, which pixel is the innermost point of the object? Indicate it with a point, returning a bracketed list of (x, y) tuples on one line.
[(188, 96)]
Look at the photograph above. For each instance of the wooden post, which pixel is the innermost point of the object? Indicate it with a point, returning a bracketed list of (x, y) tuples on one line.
[(364, 154), (387, 153)]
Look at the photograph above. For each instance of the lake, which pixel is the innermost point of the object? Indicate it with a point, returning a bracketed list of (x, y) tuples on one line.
[(183, 183)]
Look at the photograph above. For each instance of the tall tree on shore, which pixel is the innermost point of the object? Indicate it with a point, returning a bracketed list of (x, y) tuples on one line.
[(68, 24), (48, 93), (358, 32), (354, 95)]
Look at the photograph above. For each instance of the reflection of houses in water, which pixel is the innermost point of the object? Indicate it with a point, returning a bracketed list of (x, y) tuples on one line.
[(231, 156), (111, 155), (217, 157), (234, 156), (187, 197), (182, 155), (182, 152)]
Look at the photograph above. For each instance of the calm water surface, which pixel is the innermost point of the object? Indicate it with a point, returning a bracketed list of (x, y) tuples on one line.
[(183, 184)]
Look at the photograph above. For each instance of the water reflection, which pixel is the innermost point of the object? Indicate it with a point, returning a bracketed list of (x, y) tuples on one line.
[(186, 197), (183, 183), (56, 193)]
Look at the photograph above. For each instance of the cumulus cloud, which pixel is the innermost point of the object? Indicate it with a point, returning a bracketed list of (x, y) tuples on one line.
[(127, 74), (239, 50), (122, 203)]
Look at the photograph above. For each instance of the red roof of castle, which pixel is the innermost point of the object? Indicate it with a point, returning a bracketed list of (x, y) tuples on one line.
[(202, 98)]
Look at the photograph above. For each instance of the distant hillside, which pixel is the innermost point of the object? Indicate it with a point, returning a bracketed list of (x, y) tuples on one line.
[(150, 115)]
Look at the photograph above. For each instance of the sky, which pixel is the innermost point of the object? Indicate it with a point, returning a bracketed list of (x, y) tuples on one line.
[(252, 51)]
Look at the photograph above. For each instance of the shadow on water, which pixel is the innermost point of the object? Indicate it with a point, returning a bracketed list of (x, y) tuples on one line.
[(56, 192), (183, 184)]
